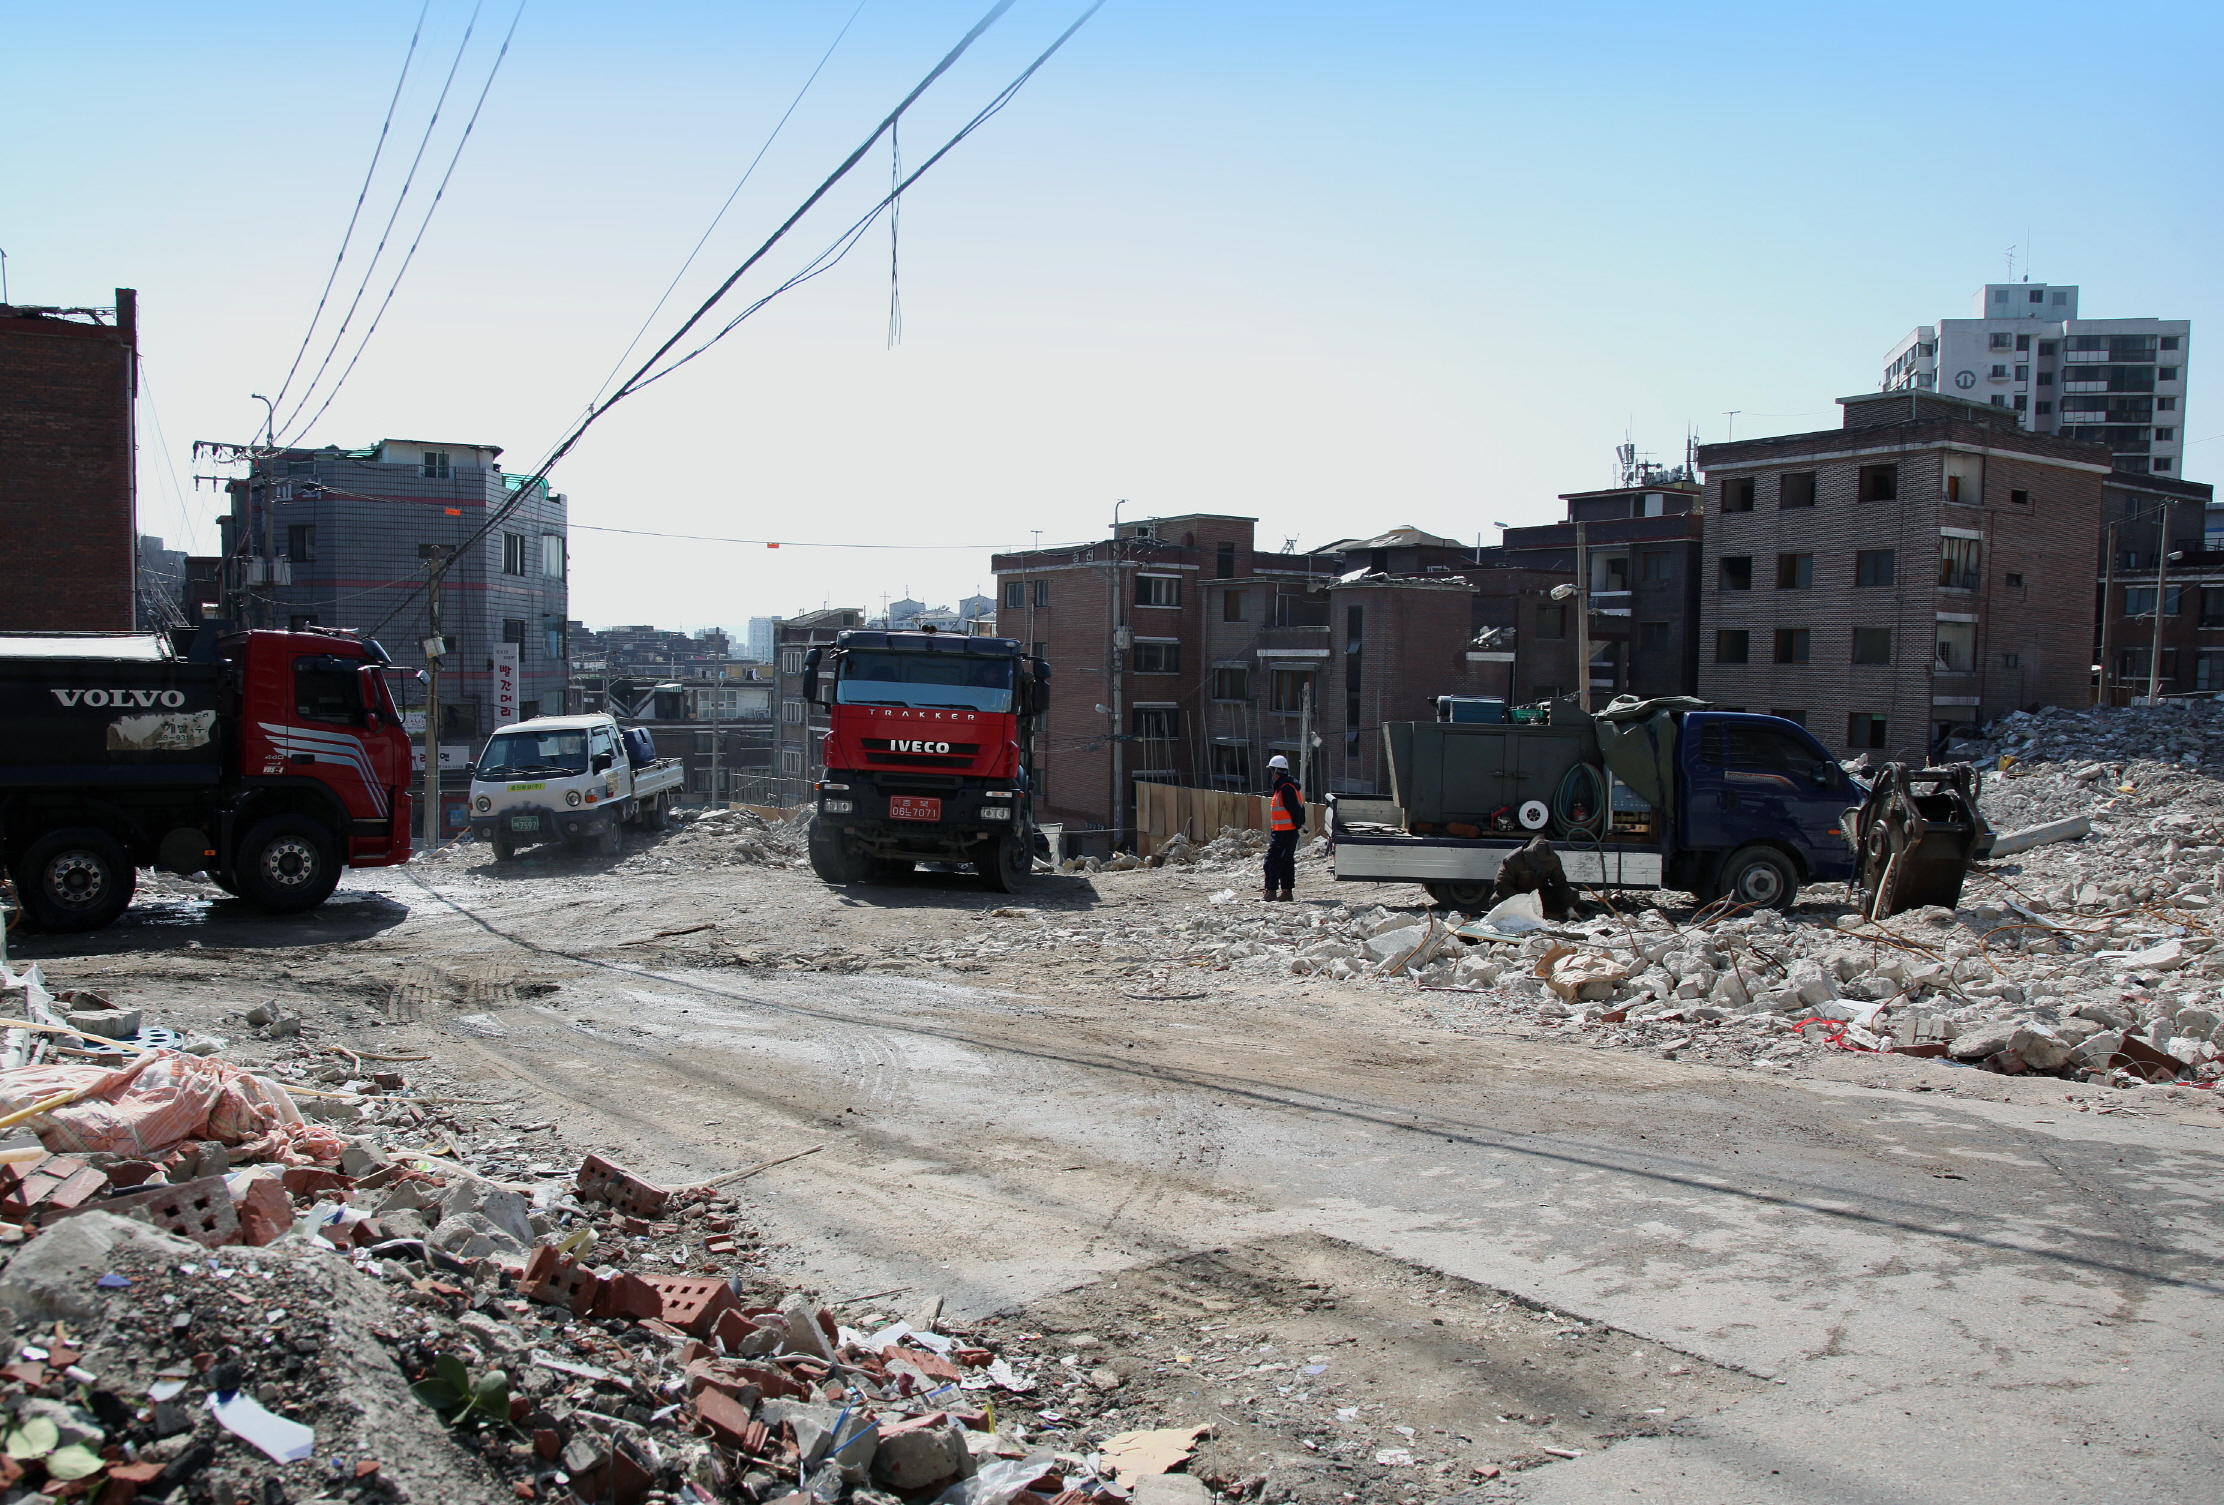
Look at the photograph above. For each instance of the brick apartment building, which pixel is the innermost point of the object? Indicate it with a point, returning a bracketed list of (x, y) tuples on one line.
[(1181, 653), (1643, 545), (2135, 576), (68, 377), (340, 538), (1925, 566)]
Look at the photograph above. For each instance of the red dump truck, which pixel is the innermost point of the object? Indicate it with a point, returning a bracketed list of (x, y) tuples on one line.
[(929, 756), (268, 760)]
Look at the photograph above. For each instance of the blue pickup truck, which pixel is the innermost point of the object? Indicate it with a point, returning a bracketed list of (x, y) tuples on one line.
[(1659, 794)]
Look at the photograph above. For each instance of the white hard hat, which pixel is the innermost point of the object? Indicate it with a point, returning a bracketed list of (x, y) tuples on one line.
[(1278, 761)]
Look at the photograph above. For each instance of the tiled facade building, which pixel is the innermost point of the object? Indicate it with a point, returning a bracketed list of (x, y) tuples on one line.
[(68, 377), (341, 538), (1926, 566)]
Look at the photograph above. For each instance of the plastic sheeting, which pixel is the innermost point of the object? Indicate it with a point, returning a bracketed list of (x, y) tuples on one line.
[(160, 1101)]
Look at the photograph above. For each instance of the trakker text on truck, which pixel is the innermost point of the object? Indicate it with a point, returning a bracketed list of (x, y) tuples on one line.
[(574, 779), (930, 755), (268, 760)]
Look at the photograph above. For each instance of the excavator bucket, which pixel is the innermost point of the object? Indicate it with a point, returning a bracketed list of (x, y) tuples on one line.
[(1915, 837)]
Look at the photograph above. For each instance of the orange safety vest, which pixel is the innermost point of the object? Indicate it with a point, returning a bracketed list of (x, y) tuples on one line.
[(1283, 819)]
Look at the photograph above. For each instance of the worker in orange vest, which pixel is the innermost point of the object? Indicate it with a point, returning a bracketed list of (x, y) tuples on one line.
[(1286, 812)]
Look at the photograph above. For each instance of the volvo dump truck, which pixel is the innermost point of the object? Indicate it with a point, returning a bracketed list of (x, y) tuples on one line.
[(1672, 794), (268, 760), (929, 756)]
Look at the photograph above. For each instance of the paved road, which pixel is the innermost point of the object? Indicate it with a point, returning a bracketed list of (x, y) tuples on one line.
[(1958, 1300)]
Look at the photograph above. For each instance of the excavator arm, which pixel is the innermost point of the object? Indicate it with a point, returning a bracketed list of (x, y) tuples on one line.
[(1915, 837)]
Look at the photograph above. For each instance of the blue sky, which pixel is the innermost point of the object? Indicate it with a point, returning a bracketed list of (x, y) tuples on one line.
[(1339, 268)]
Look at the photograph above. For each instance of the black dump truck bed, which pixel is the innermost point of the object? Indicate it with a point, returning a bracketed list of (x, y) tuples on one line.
[(117, 711)]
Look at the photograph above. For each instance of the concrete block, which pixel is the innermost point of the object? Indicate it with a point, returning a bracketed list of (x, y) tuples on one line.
[(2071, 829), (505, 1209), (1982, 1040), (2041, 1048), (109, 1024)]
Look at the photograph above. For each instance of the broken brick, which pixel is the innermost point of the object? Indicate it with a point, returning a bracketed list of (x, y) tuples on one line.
[(608, 1182), (311, 1180), (726, 1417), (199, 1210), (264, 1213)]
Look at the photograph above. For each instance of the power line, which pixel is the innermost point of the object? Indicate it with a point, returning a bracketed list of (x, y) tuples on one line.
[(779, 543), (363, 193), (539, 476), (423, 225), (747, 173), (409, 179)]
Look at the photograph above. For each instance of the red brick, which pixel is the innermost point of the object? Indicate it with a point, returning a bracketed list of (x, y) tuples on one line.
[(608, 1182), (727, 1418)]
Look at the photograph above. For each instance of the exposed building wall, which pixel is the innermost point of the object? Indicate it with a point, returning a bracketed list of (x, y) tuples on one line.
[(67, 506), (2189, 586), (2012, 630)]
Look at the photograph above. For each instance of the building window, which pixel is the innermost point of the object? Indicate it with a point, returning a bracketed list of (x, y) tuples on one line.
[(1864, 729), (1880, 483), (436, 465), (2010, 660), (1042, 593), (1015, 594), (791, 711), (2023, 341), (1957, 562), (2022, 402), (1736, 572), (2014, 580), (2044, 408), (2000, 400), (301, 543), (2166, 404), (702, 744), (2162, 464), (2046, 350), (1791, 645), (1552, 620), (2169, 342), (1652, 637), (1872, 645), (1795, 572), (2002, 341), (1731, 646), (2046, 379), (2163, 436), (513, 553), (1229, 683), (552, 556), (1737, 495), (1291, 690), (459, 721), (1796, 489), (513, 630), (2019, 498), (1224, 561), (2139, 600), (1233, 605), (2166, 373), (1876, 567), (1158, 723), (791, 761), (1231, 763), (1659, 565), (1157, 658), (791, 661), (1957, 646), (1158, 590), (2208, 670)]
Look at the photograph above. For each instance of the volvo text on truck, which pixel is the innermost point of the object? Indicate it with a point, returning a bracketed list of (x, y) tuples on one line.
[(1670, 794), (268, 760), (929, 756)]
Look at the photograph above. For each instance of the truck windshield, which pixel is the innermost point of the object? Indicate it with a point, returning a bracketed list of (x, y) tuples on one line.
[(512, 755), (941, 681)]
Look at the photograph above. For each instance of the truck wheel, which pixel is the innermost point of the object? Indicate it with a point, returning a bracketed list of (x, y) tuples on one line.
[(1471, 898), (832, 862), (1757, 877), (505, 848), (605, 842), (77, 878), (286, 865), (1006, 863), (652, 815)]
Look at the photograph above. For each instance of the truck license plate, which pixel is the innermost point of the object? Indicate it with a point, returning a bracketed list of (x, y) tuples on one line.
[(525, 823), (914, 807)]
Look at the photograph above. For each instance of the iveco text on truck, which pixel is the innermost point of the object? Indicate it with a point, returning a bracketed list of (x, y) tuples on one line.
[(268, 760), (929, 757)]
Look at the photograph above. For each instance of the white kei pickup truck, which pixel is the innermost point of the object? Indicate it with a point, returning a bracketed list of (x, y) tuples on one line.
[(573, 779)]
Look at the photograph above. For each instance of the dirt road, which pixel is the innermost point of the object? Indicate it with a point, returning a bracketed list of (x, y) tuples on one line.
[(1821, 1288)]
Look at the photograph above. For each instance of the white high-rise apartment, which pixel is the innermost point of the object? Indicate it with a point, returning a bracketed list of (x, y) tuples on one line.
[(2118, 381)]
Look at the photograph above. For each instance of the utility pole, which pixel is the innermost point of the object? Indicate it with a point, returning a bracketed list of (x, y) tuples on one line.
[(1582, 620), (2162, 596), (435, 647), (2101, 694)]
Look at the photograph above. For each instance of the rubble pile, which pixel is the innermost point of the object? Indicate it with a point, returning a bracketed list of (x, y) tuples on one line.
[(1234, 847), (718, 838)]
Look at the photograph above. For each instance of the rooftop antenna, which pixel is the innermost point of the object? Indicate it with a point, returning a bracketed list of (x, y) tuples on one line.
[(1730, 415), (2011, 264)]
